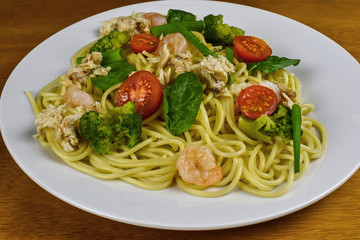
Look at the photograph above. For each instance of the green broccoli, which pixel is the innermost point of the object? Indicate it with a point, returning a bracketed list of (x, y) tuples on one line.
[(114, 40), (278, 124), (219, 33), (119, 126), (251, 128)]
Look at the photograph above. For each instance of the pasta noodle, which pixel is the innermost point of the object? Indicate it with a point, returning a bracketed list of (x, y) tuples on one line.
[(253, 166)]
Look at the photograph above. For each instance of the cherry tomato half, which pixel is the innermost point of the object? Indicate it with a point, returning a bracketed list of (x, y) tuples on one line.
[(143, 41), (257, 100), (251, 49), (142, 88)]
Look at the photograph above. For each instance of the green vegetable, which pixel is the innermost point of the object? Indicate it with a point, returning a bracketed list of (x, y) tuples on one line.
[(273, 63), (230, 57), (181, 102), (180, 28), (118, 73), (79, 59), (114, 40), (296, 125), (175, 15), (278, 124), (195, 41), (251, 128), (108, 57), (219, 33), (112, 56), (165, 29), (119, 126), (229, 53)]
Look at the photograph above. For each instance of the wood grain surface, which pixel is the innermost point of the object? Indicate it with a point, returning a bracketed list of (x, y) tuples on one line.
[(29, 212)]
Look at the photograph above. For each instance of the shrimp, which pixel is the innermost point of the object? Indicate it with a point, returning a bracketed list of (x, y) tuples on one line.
[(196, 165), (175, 42), (156, 19), (76, 97), (273, 87)]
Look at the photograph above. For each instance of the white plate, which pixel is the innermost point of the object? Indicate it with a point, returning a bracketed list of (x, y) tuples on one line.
[(325, 69)]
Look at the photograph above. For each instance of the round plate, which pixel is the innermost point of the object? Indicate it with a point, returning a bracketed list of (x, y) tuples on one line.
[(325, 69)]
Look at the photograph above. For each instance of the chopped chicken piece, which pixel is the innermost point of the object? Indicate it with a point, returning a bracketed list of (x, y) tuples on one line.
[(108, 26), (51, 117), (66, 132), (182, 63), (101, 71), (215, 71), (287, 91), (164, 77), (64, 125), (79, 74), (91, 60), (162, 59), (133, 24)]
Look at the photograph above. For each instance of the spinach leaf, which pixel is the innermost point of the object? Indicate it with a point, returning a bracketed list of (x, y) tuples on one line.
[(118, 73), (175, 15), (181, 102), (273, 63)]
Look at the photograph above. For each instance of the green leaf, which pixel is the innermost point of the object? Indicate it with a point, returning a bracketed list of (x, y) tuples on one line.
[(182, 101), (273, 63), (175, 15), (118, 73), (112, 56)]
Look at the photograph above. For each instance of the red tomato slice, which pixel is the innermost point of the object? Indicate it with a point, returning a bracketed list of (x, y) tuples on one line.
[(143, 42), (257, 100), (142, 88), (251, 49)]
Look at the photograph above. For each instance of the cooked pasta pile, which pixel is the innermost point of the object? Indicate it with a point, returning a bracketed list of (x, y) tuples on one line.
[(259, 168)]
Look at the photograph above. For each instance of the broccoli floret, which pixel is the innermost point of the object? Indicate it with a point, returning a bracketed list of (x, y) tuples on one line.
[(219, 33), (93, 129), (126, 123), (281, 112), (252, 127), (278, 124), (119, 126), (114, 40)]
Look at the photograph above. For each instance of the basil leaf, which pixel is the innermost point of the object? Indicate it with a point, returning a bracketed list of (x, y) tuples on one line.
[(118, 73), (182, 101), (175, 15), (273, 63)]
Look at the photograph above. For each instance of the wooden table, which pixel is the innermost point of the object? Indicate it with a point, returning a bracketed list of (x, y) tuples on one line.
[(29, 212)]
